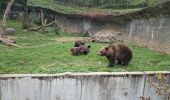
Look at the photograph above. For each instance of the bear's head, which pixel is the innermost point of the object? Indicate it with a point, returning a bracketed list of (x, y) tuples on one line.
[(109, 50), (74, 50), (79, 43), (103, 51)]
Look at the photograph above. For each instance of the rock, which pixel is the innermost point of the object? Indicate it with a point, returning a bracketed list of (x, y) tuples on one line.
[(14, 15), (25, 30), (106, 37), (10, 31)]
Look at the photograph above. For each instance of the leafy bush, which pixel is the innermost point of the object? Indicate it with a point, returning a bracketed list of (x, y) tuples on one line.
[(52, 30), (37, 20)]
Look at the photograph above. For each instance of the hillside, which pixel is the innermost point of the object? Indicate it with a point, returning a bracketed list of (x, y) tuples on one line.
[(105, 3), (75, 9), (72, 9), (161, 10)]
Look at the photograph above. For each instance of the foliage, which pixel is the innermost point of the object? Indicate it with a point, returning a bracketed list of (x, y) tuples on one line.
[(160, 84), (53, 6), (37, 20), (52, 30), (67, 8), (80, 6), (111, 3)]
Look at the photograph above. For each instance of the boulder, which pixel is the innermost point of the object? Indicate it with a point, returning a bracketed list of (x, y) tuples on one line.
[(10, 31), (14, 15)]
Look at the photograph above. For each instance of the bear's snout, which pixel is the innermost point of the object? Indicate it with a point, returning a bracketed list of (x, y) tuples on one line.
[(98, 53)]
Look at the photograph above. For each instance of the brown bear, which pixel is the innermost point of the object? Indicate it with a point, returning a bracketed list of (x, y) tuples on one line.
[(80, 50), (79, 43), (119, 54), (110, 53), (123, 54)]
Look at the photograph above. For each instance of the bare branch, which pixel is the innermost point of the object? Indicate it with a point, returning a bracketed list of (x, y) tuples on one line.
[(46, 25)]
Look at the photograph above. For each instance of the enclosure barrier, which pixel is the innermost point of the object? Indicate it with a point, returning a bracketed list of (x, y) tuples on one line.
[(82, 86)]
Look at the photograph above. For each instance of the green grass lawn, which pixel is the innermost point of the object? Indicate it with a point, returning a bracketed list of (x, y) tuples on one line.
[(42, 53)]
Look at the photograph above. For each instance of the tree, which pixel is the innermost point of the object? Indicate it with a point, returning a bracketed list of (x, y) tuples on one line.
[(3, 39), (4, 24)]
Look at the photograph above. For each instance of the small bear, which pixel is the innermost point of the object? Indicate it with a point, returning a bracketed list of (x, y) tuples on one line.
[(121, 54), (79, 43), (81, 50)]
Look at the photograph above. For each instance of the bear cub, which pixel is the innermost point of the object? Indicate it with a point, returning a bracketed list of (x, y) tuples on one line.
[(120, 54), (80, 49)]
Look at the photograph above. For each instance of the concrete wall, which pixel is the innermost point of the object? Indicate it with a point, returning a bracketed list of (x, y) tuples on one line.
[(83, 25), (153, 33), (83, 86)]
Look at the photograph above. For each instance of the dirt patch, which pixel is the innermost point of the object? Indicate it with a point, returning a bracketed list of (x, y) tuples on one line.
[(71, 39)]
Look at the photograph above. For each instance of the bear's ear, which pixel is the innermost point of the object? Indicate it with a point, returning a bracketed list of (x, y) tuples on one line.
[(107, 48), (89, 46)]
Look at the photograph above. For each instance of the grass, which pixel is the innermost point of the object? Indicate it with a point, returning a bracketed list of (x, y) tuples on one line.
[(134, 5), (42, 53), (53, 5)]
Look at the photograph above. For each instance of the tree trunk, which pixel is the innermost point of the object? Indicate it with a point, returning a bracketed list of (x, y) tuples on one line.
[(4, 24), (43, 21), (4, 39)]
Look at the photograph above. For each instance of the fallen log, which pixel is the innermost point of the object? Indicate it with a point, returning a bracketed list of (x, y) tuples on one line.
[(38, 28), (8, 42)]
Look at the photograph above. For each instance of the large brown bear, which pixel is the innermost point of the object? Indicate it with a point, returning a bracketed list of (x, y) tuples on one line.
[(81, 50), (120, 54)]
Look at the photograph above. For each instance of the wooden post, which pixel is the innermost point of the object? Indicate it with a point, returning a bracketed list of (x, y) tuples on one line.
[(26, 16), (43, 21)]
